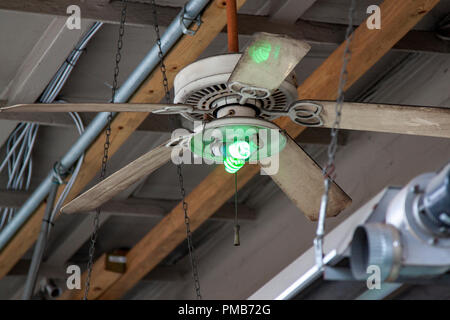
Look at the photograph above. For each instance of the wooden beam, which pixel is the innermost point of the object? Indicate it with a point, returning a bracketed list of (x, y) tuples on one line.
[(368, 46), (334, 34), (186, 51), (135, 207), (98, 10), (161, 273), (130, 207), (140, 14)]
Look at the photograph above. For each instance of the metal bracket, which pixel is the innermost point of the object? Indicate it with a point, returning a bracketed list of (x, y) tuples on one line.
[(300, 112), (248, 92), (198, 21), (303, 112)]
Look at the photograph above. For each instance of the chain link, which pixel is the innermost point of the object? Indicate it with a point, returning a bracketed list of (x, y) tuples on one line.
[(106, 147), (328, 171), (191, 249)]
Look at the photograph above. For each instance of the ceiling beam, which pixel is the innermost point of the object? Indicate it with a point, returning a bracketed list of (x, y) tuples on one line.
[(130, 207), (186, 51), (140, 14), (368, 47), (161, 273)]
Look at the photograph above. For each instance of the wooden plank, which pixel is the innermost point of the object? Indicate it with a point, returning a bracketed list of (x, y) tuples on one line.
[(136, 207), (90, 107), (305, 185), (334, 34), (120, 180), (185, 51), (425, 121), (161, 240), (97, 10), (140, 14)]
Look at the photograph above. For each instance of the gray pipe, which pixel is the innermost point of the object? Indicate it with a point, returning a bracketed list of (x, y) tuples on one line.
[(173, 32), (40, 245)]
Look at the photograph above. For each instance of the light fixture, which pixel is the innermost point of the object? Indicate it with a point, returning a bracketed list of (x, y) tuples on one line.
[(234, 142)]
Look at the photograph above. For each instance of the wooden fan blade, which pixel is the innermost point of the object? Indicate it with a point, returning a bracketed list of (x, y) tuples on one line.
[(267, 61), (120, 180), (90, 107), (424, 121), (301, 179)]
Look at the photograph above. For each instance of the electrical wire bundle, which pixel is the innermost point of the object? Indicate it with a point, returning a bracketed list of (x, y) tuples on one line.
[(19, 163), (20, 143)]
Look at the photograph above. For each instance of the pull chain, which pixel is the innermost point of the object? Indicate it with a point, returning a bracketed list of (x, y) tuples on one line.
[(237, 227), (106, 146), (330, 167), (191, 249)]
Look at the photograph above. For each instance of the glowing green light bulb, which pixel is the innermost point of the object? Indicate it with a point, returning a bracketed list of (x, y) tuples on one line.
[(233, 165), (239, 150)]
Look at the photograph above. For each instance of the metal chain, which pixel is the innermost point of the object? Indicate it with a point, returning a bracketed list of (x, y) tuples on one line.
[(106, 146), (328, 170), (160, 54), (191, 249)]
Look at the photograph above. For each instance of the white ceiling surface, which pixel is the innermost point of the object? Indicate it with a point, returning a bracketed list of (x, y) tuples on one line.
[(365, 165)]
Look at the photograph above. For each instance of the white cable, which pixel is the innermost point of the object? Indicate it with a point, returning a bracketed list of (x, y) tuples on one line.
[(80, 127)]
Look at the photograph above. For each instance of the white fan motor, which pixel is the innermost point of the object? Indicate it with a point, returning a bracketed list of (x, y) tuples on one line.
[(202, 85)]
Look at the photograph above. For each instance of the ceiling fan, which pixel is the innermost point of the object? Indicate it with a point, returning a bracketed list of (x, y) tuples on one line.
[(242, 94)]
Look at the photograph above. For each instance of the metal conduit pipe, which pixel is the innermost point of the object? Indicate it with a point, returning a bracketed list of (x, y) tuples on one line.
[(40, 245), (172, 34)]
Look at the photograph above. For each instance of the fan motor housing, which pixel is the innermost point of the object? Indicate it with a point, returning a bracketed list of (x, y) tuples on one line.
[(203, 84)]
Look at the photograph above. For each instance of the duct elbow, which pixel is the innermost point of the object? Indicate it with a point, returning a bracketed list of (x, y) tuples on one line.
[(379, 245)]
